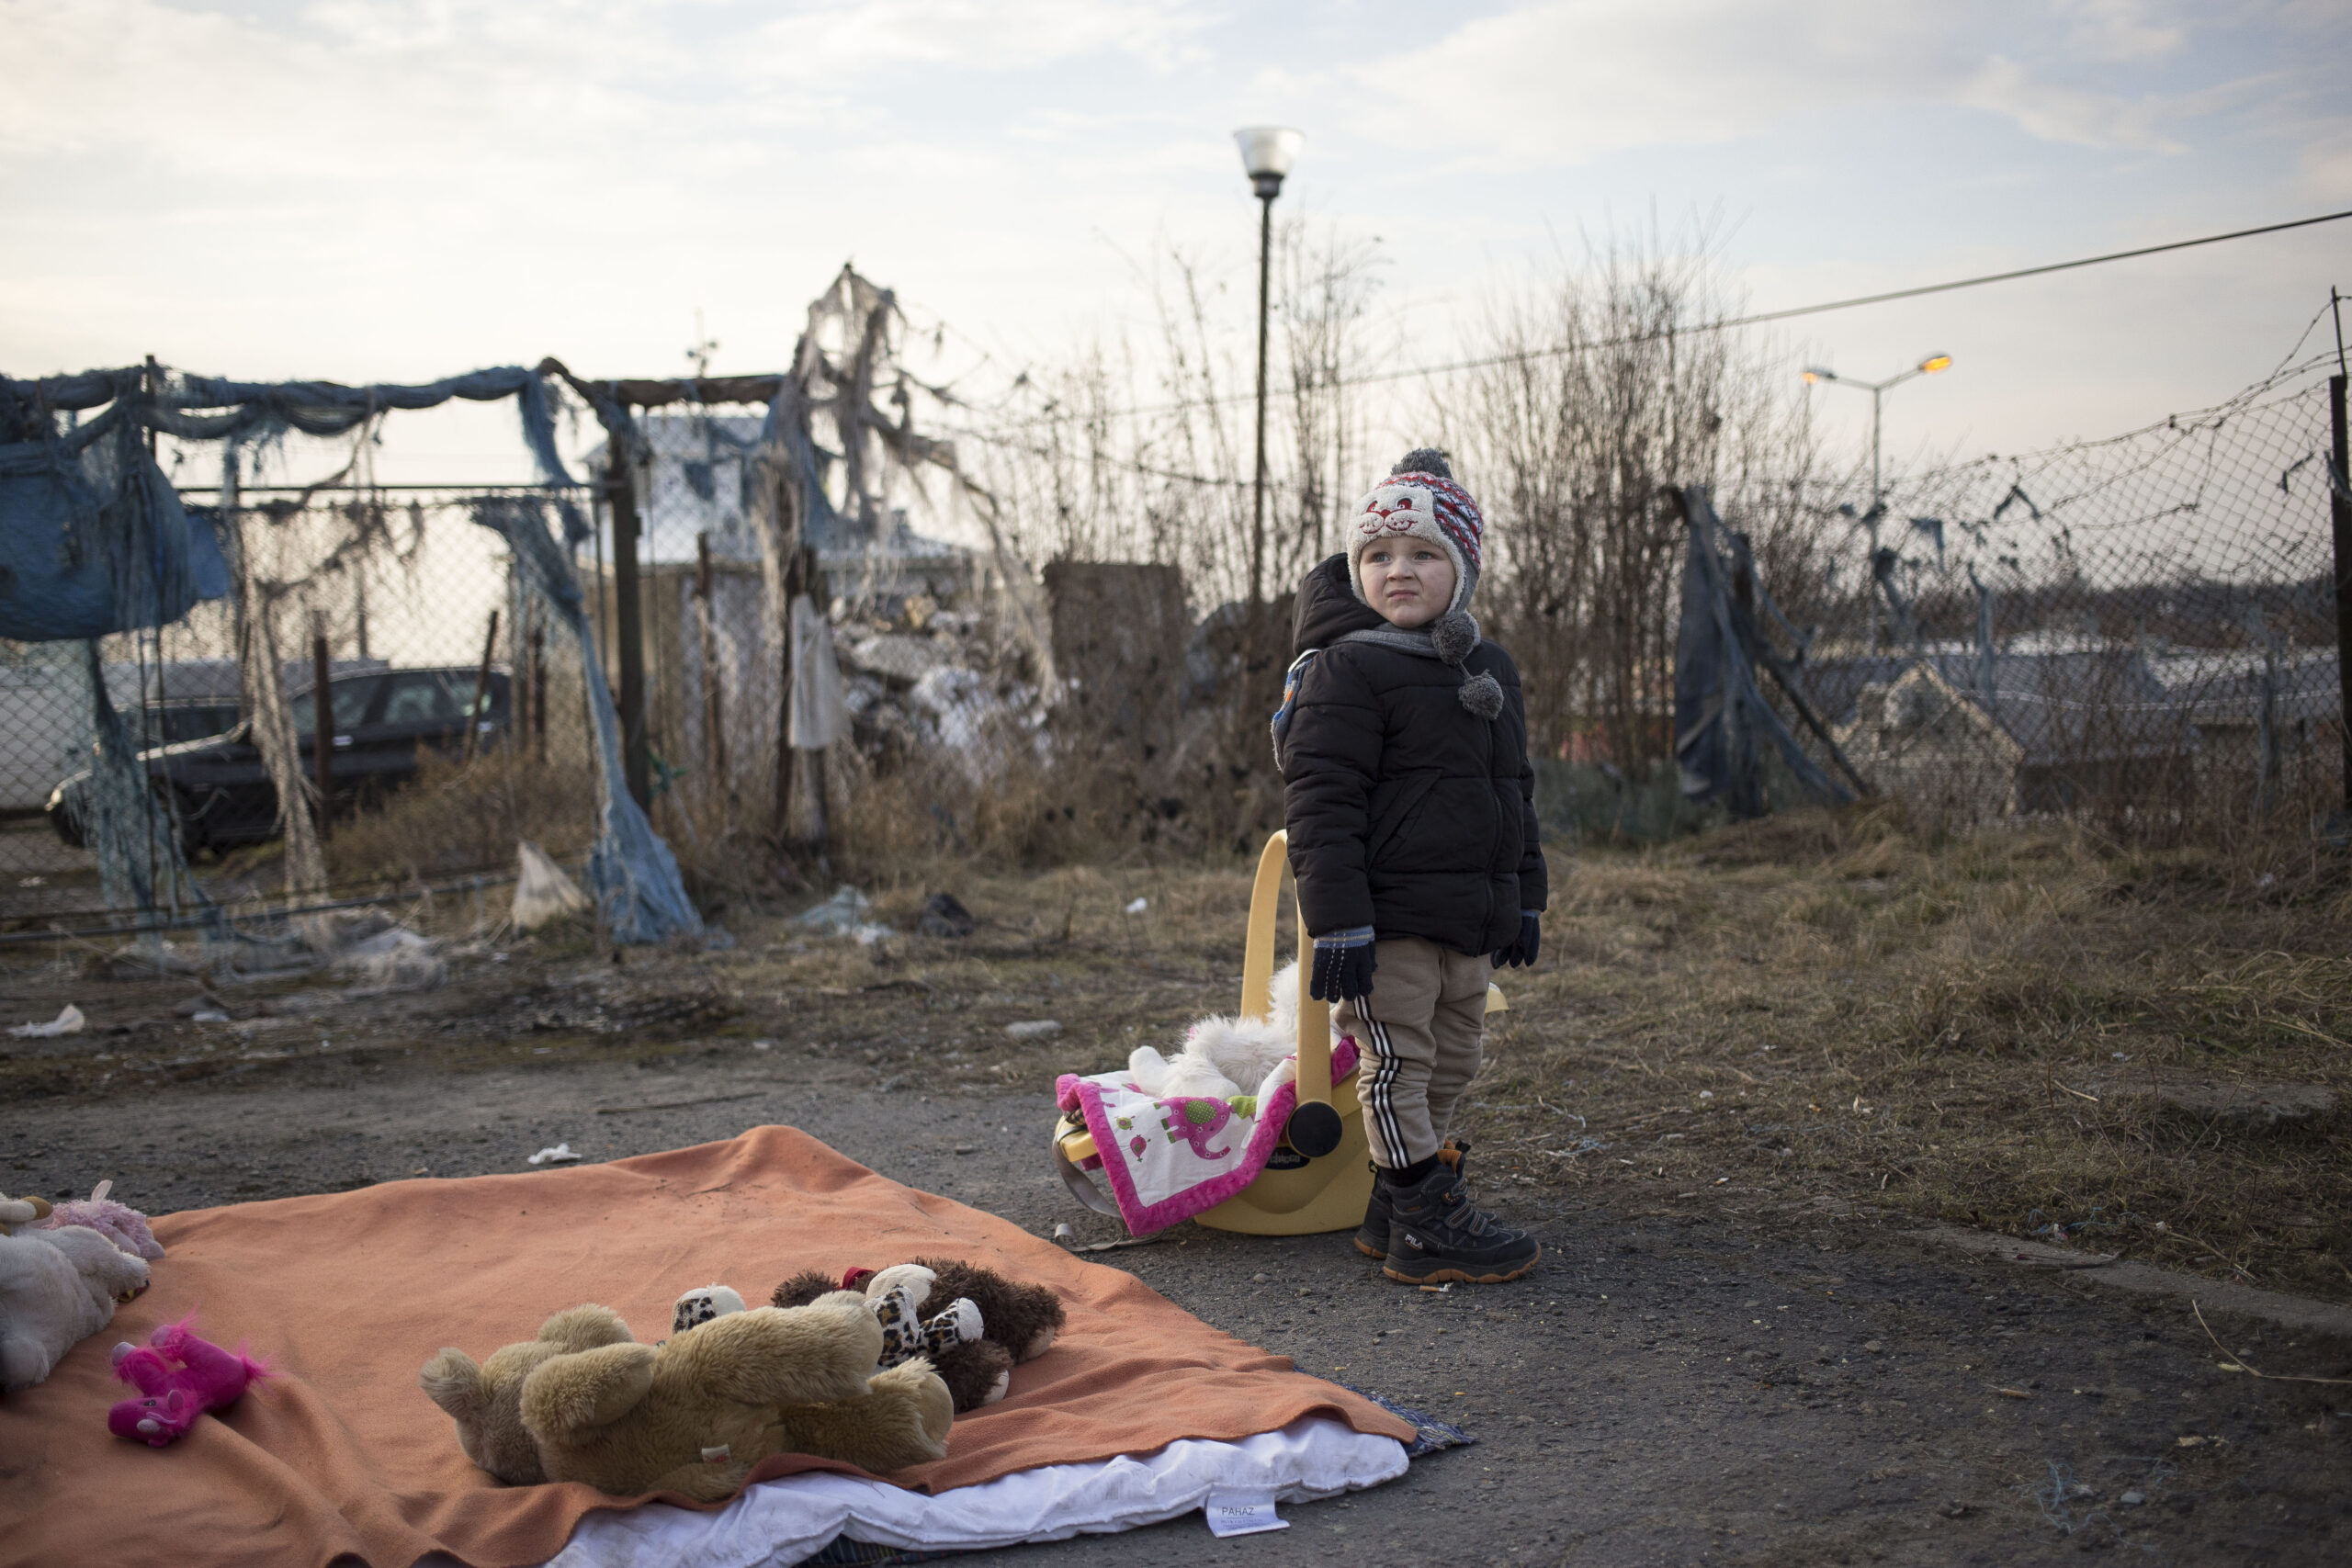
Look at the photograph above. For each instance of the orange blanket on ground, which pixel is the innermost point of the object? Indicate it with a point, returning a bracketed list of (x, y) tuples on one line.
[(347, 1294)]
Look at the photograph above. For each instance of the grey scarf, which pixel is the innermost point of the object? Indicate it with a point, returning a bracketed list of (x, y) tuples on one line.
[(1449, 639)]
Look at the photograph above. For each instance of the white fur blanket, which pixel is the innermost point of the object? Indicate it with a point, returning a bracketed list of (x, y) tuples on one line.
[(1174, 1138)]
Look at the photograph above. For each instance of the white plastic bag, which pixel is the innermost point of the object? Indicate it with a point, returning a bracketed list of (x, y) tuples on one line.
[(542, 892)]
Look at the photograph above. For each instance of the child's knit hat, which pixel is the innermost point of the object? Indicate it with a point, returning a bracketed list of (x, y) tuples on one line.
[(1419, 500)]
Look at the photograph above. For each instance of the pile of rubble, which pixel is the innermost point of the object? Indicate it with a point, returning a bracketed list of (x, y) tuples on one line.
[(920, 680)]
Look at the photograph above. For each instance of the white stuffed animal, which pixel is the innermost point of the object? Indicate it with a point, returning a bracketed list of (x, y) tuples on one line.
[(57, 1288), (1225, 1057)]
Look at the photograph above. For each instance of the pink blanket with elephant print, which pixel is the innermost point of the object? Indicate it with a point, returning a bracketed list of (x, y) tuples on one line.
[(1166, 1160)]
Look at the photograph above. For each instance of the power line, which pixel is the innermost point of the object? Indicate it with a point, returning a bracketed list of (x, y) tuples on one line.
[(1722, 324)]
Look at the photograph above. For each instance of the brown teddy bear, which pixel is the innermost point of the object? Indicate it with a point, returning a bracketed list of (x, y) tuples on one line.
[(695, 1414), (1018, 1321)]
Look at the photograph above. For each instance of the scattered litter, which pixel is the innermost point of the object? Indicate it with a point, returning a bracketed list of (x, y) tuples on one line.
[(967, 1148), (209, 1015), (1442, 1289), (394, 959), (1139, 907), (2132, 1499), (542, 891), (1069, 1237), (70, 1022), (32, 882), (763, 1045), (1241, 1513), (2053, 1495), (841, 913), (844, 914), (943, 916), (2012, 1394), (1706, 1094), (1035, 1029), (560, 1155)]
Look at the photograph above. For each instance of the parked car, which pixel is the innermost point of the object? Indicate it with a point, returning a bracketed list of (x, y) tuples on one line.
[(384, 723), (198, 719)]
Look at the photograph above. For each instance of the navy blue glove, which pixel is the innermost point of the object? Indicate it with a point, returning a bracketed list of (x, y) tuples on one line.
[(1343, 966), (1521, 953)]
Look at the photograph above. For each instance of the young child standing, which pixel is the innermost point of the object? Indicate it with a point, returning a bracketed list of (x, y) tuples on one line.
[(1411, 806)]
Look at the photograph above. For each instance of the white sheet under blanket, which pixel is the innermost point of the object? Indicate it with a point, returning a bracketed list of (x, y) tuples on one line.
[(780, 1522)]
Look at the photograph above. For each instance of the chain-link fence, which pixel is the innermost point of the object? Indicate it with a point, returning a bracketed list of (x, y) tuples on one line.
[(434, 654), (2143, 629)]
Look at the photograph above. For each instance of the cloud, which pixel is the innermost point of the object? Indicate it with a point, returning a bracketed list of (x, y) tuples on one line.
[(1565, 81), (836, 39), (2118, 31), (2054, 112)]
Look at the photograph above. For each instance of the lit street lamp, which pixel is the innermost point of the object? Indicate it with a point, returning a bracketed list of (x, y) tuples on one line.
[(1877, 389), (1266, 154)]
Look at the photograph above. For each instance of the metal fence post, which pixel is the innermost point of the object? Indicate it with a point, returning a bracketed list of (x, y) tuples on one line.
[(2340, 511)]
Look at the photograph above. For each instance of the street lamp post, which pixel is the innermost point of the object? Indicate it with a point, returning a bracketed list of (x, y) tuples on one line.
[(1266, 154), (1930, 365)]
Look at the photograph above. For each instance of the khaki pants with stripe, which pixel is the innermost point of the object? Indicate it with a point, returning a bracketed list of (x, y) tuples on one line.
[(1418, 1030)]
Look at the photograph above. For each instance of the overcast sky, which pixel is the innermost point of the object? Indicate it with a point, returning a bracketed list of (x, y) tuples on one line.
[(399, 189)]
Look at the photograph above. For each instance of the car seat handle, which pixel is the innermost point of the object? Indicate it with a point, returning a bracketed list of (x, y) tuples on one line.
[(1314, 1084)]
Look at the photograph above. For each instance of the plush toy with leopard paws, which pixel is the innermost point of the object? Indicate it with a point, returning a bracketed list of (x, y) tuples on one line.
[(1017, 1322)]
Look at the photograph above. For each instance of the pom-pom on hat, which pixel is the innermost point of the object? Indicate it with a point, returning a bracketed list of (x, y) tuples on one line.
[(1419, 500)]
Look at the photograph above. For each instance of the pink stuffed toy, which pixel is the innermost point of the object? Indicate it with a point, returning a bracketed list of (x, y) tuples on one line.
[(120, 1224), (182, 1377)]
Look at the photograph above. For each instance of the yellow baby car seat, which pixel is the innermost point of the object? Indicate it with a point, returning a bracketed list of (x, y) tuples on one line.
[(1320, 1176)]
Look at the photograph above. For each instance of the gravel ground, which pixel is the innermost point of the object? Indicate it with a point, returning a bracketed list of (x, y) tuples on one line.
[(1812, 1386)]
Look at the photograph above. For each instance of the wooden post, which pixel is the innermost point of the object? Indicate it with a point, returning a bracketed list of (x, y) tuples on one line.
[(629, 631), (540, 692), (780, 822), (814, 586), (479, 705), (2340, 513), (322, 731), (713, 706)]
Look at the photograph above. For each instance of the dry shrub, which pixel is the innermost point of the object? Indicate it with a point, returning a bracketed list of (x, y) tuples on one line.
[(1028, 813), (457, 817)]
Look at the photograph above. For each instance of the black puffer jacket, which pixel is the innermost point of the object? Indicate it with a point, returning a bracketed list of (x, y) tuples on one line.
[(1407, 811)]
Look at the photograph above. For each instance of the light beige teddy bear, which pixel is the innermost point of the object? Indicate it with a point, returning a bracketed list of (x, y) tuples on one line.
[(693, 1414), (57, 1288)]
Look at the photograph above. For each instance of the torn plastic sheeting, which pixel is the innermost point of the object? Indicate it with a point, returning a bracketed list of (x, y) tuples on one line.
[(961, 704), (640, 895)]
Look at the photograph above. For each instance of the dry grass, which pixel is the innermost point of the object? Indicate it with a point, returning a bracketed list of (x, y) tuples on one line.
[(1823, 1005), (1815, 1006), (465, 817)]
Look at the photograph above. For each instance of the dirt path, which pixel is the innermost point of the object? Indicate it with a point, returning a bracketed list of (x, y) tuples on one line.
[(1670, 1388)]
